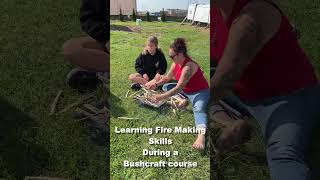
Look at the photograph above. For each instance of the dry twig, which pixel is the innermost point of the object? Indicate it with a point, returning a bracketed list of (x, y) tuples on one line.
[(55, 102), (77, 103)]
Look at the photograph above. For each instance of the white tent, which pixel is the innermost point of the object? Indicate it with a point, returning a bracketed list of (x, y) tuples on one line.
[(191, 11), (198, 13), (202, 14)]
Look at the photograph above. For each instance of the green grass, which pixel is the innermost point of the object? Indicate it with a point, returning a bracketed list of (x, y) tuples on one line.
[(32, 70), (125, 47), (305, 15)]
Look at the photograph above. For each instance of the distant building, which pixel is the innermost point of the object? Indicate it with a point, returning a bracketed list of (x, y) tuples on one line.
[(142, 13), (157, 13), (126, 7), (177, 12)]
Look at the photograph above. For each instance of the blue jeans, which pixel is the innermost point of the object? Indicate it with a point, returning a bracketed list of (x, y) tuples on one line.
[(287, 123), (199, 101)]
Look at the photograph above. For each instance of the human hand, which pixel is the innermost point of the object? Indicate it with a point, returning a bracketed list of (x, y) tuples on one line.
[(146, 77), (151, 85), (157, 98), (157, 77)]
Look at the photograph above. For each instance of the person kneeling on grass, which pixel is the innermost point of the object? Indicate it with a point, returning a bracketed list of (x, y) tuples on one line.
[(191, 83), (90, 54), (150, 64)]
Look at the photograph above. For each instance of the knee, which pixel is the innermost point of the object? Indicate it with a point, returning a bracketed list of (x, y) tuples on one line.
[(133, 76), (165, 87), (284, 153), (69, 48), (199, 108), (168, 86)]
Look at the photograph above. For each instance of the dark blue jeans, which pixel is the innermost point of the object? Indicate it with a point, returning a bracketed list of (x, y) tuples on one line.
[(287, 123)]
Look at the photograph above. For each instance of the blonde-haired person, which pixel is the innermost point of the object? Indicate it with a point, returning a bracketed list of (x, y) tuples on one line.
[(150, 64)]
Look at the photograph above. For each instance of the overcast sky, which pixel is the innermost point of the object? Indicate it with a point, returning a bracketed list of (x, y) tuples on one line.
[(157, 5)]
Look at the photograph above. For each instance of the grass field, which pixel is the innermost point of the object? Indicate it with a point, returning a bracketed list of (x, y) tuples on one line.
[(125, 47), (32, 71)]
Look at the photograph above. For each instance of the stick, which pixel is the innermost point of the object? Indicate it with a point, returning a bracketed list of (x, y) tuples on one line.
[(42, 178), (88, 115), (229, 108), (127, 118), (91, 108), (175, 105), (55, 102), (127, 93), (78, 102), (134, 94), (145, 89)]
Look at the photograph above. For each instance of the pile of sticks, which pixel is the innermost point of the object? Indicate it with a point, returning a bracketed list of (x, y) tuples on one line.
[(88, 111), (144, 96)]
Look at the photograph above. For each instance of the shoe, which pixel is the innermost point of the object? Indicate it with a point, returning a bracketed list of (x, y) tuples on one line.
[(104, 78), (135, 86), (82, 80)]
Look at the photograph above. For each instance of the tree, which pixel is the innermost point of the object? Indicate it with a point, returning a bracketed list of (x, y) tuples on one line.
[(163, 16), (120, 15), (148, 17), (134, 16)]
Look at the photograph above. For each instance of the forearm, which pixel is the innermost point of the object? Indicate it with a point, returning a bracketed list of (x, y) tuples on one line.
[(173, 91), (163, 80), (222, 83)]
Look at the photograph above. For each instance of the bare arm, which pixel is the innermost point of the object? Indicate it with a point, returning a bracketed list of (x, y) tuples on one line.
[(168, 77), (255, 26), (186, 74)]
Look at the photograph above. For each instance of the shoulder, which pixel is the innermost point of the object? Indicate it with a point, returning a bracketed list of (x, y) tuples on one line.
[(191, 65), (261, 9), (141, 55), (160, 52), (173, 65), (262, 16)]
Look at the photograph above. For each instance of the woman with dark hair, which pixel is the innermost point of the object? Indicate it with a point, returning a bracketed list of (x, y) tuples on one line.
[(91, 53), (191, 83), (262, 69)]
